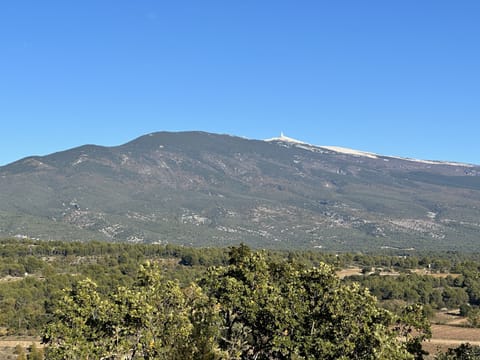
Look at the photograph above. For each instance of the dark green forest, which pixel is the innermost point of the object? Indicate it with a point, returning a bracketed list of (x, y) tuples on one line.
[(97, 300)]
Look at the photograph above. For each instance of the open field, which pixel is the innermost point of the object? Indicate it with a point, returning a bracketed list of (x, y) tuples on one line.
[(358, 271), (450, 336), (349, 272), (434, 274), (455, 334), (449, 330)]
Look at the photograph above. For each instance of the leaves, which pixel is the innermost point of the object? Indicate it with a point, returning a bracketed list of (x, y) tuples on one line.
[(155, 319), (252, 308), (285, 310)]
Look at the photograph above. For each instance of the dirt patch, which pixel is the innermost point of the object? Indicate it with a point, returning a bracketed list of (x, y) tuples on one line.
[(25, 341), (9, 278), (450, 336), (349, 272), (455, 333), (434, 274), (449, 317)]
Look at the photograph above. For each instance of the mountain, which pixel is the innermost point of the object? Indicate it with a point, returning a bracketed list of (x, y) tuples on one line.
[(197, 188)]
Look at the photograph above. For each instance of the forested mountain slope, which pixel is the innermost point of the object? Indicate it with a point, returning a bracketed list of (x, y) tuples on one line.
[(198, 188)]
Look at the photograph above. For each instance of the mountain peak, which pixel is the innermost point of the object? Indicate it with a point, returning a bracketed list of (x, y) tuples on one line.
[(337, 149), (284, 138)]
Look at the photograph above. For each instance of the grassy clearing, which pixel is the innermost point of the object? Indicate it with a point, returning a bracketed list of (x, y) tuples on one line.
[(434, 274), (349, 272), (450, 336), (450, 330)]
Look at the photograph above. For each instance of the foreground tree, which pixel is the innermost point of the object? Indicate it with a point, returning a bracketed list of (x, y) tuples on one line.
[(253, 308), (286, 311), (155, 319)]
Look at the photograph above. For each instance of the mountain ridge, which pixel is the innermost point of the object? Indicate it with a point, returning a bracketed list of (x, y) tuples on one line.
[(199, 188), (281, 138), (345, 150)]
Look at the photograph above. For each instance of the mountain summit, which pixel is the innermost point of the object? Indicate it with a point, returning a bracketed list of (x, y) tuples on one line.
[(198, 188)]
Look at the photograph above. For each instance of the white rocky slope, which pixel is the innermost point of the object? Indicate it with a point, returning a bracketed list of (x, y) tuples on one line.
[(344, 150)]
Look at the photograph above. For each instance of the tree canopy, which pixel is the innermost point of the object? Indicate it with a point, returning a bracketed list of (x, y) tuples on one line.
[(252, 308)]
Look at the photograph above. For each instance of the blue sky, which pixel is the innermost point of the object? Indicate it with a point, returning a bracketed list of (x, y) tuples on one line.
[(393, 77)]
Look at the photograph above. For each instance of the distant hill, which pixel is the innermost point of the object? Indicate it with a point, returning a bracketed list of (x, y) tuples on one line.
[(197, 188)]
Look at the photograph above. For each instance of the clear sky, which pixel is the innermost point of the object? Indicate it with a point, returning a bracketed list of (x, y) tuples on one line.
[(393, 77)]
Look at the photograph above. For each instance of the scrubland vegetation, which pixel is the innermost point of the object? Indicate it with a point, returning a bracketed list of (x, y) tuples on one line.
[(99, 300)]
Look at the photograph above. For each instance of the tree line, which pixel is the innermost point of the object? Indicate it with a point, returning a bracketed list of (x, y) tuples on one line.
[(252, 308), (35, 274)]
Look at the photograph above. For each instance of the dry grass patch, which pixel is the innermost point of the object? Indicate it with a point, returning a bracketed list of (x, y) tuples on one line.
[(455, 333), (24, 341), (434, 274), (349, 272), (450, 336)]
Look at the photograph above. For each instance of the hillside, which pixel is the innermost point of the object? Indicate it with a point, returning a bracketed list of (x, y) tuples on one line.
[(198, 188)]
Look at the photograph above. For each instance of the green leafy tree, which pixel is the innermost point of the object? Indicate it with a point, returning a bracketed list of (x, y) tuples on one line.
[(256, 306), (462, 352), (287, 311), (154, 319)]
